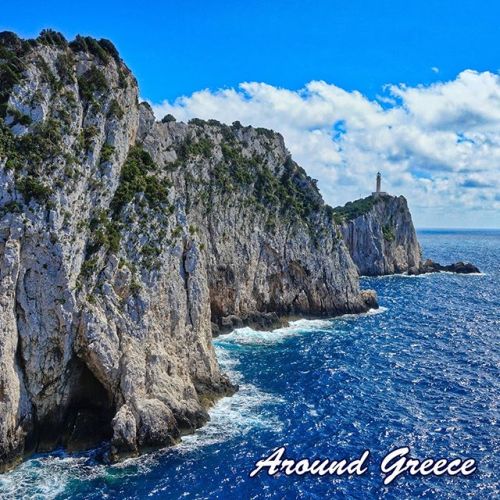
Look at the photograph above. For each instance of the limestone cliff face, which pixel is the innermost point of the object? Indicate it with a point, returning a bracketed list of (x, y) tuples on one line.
[(380, 235), (124, 242)]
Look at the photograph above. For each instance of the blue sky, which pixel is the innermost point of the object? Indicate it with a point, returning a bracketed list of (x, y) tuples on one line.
[(180, 48)]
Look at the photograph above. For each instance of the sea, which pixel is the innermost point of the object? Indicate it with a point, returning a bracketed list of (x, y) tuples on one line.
[(423, 371)]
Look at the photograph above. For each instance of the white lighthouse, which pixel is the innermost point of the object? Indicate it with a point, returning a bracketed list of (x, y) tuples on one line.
[(378, 191)]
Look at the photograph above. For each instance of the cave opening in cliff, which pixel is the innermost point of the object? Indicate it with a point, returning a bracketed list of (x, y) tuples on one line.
[(81, 422), (91, 408)]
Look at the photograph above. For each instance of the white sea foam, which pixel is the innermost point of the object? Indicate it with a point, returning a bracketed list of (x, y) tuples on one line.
[(234, 416), (48, 477), (241, 413), (249, 336), (399, 275), (380, 310), (421, 276), (370, 312)]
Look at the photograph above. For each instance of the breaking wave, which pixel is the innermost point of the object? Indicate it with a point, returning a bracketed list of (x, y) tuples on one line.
[(249, 336)]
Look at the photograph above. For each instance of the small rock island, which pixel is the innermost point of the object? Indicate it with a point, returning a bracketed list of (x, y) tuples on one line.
[(379, 233)]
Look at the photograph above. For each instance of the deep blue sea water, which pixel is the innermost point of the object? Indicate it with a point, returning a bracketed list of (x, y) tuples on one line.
[(422, 372)]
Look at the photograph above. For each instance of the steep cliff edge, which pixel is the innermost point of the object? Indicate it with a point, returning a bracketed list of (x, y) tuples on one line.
[(124, 242), (379, 232)]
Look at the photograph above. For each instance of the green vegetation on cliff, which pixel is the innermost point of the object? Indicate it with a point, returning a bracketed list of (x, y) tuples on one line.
[(294, 192), (12, 67), (138, 176), (51, 37), (354, 209), (31, 150), (285, 189), (103, 49), (31, 187), (7, 141), (388, 233), (91, 82), (104, 232), (168, 118)]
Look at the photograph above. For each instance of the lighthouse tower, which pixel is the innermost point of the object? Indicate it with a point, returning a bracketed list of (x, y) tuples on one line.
[(378, 191)]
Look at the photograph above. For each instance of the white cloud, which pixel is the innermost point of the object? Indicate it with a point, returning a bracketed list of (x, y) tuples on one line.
[(439, 145)]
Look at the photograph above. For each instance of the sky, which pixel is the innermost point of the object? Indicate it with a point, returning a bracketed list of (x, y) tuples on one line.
[(408, 88)]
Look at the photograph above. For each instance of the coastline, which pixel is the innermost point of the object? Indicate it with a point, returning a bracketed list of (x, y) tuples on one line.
[(329, 386), (227, 413)]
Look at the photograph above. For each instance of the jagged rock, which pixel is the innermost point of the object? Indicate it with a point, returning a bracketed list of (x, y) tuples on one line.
[(254, 319), (124, 240), (124, 432), (231, 322), (429, 266), (370, 299)]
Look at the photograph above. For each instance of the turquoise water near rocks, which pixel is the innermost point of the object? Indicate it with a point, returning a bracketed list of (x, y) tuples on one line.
[(423, 372)]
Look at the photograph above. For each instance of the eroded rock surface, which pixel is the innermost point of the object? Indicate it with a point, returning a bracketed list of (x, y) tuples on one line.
[(380, 235), (125, 241)]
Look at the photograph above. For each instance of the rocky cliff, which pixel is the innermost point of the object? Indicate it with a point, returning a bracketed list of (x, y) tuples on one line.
[(379, 232), (125, 241), (380, 235)]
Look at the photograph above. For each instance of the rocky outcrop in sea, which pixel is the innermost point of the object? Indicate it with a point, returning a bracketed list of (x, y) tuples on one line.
[(429, 266), (381, 237), (124, 242)]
